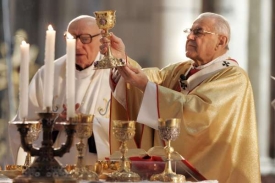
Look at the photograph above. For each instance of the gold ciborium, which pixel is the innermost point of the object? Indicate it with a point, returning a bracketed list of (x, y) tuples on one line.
[(169, 130), (124, 131), (106, 20), (32, 135), (84, 129)]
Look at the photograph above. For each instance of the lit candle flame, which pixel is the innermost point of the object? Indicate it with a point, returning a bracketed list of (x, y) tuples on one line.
[(23, 43), (69, 36), (50, 27)]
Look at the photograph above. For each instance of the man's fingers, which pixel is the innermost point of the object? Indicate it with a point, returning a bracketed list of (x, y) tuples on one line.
[(64, 107), (114, 38), (134, 69)]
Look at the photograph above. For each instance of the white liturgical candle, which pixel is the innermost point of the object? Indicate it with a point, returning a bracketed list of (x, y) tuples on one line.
[(49, 67), (70, 76), (24, 80)]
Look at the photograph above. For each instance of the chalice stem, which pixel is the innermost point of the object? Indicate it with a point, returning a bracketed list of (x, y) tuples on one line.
[(123, 150), (168, 166), (109, 52), (28, 160), (80, 148)]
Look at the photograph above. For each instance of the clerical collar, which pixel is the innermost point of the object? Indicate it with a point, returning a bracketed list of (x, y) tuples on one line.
[(220, 58), (98, 57), (87, 71)]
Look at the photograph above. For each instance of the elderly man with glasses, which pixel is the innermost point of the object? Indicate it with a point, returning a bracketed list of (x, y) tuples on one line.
[(92, 95), (210, 93)]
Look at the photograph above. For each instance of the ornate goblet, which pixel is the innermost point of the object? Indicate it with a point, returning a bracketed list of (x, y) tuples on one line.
[(84, 129), (123, 131), (169, 130), (32, 135), (106, 20)]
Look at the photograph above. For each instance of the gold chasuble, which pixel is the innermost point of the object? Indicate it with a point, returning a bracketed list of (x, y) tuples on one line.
[(218, 130), (143, 138)]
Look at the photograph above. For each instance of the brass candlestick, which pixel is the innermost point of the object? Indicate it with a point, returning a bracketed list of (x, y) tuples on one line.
[(169, 130), (45, 168), (84, 129), (106, 20), (124, 131)]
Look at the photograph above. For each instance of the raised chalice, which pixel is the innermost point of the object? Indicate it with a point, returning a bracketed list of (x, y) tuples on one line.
[(106, 20), (124, 131), (84, 129), (169, 130)]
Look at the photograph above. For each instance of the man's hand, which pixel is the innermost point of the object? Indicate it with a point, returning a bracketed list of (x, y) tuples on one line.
[(63, 116), (114, 78), (116, 44), (134, 76)]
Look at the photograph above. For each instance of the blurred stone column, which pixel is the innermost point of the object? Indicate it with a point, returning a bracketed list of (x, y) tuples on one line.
[(263, 87), (170, 18)]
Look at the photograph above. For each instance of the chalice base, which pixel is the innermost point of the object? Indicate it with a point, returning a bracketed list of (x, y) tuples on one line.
[(45, 170), (123, 176), (84, 174), (108, 62), (168, 177)]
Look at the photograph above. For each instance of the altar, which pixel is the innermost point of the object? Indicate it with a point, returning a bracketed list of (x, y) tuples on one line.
[(145, 168)]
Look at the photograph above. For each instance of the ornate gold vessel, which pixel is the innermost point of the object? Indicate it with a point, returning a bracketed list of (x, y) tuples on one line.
[(124, 131), (106, 20), (169, 130), (84, 129)]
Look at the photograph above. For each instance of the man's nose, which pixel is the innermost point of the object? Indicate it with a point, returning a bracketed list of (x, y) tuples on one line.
[(191, 36), (78, 43)]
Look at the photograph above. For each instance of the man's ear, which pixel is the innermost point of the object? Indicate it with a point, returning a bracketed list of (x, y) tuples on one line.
[(223, 41)]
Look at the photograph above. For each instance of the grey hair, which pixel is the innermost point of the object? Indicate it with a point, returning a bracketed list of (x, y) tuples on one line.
[(221, 24)]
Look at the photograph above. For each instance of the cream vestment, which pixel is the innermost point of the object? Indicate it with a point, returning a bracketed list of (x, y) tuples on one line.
[(94, 84)]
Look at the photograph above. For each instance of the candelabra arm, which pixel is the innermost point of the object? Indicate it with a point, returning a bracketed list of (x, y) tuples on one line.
[(70, 130)]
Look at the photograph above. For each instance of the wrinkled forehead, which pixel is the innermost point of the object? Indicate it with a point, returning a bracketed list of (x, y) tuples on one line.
[(205, 23), (83, 25)]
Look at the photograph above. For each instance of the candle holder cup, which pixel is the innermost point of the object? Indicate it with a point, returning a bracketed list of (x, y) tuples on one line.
[(45, 168), (106, 20)]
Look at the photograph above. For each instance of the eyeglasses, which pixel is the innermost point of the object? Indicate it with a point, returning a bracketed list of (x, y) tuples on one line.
[(84, 38), (197, 32)]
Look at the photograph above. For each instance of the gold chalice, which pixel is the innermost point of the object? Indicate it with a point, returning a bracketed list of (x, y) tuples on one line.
[(32, 135), (169, 130), (106, 20), (84, 129), (124, 131)]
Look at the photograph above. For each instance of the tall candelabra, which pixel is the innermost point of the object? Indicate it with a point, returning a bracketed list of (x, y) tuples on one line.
[(45, 168)]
